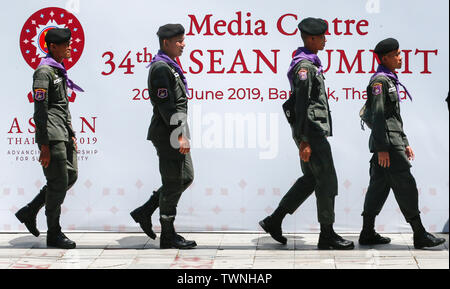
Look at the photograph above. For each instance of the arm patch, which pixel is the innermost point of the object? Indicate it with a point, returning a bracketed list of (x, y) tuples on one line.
[(162, 93), (39, 94), (377, 88), (303, 74)]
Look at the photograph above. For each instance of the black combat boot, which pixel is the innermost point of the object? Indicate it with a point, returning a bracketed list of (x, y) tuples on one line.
[(423, 239), (27, 215), (272, 226), (372, 238), (329, 240), (55, 238), (170, 239), (59, 240), (143, 214), (368, 235)]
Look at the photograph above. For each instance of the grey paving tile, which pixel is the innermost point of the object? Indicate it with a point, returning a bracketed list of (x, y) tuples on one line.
[(312, 264), (273, 265), (385, 261), (355, 266), (33, 263), (398, 266), (111, 263), (192, 262), (156, 253), (433, 264), (221, 250), (391, 253), (71, 264), (353, 260)]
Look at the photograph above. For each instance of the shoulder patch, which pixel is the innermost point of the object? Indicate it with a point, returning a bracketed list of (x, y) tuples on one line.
[(162, 93), (39, 94), (377, 88), (303, 74)]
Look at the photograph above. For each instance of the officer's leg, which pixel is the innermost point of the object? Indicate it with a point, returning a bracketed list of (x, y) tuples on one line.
[(322, 167), (143, 214), (171, 176), (376, 195), (297, 194), (175, 179), (326, 189), (187, 172), (57, 184), (27, 214), (407, 196), (72, 164), (406, 193), (377, 192), (178, 175), (149, 207), (300, 191)]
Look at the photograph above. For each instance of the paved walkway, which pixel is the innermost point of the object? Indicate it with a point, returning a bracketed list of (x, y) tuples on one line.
[(215, 250)]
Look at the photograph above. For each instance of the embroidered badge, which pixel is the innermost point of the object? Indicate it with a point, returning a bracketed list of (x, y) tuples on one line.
[(303, 74), (39, 94), (377, 88), (162, 93)]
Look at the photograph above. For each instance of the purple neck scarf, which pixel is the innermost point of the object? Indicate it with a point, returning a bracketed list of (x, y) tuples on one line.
[(161, 56), (382, 70), (48, 60), (303, 53)]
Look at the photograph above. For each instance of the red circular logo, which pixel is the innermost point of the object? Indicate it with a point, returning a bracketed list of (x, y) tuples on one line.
[(32, 37)]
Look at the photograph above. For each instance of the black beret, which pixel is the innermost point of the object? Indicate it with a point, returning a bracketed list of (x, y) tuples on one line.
[(58, 35), (386, 46), (313, 26), (170, 30)]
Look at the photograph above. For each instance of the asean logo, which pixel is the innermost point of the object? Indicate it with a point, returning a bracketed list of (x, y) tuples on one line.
[(32, 38)]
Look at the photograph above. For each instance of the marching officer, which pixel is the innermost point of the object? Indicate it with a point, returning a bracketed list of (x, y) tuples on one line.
[(309, 115), (169, 134), (390, 164), (55, 138)]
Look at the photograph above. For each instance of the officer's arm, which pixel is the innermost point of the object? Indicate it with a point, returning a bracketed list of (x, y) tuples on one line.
[(303, 81), (69, 124), (405, 139), (379, 133), (162, 87), (41, 85)]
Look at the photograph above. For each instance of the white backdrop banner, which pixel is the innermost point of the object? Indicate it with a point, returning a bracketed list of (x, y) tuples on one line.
[(236, 60)]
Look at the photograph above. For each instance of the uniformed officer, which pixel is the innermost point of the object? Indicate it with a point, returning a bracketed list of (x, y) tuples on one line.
[(169, 134), (54, 136), (309, 115), (390, 163)]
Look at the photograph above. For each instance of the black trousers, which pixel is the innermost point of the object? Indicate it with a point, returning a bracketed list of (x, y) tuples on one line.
[(61, 174), (177, 174), (319, 176), (397, 177)]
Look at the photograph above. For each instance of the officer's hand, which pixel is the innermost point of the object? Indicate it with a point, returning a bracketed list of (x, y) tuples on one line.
[(44, 157), (75, 143), (185, 146), (305, 151), (409, 153), (383, 159)]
